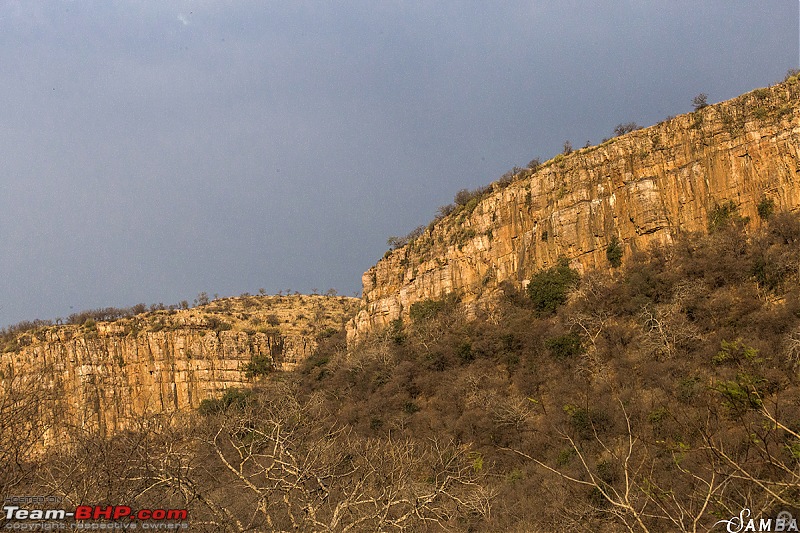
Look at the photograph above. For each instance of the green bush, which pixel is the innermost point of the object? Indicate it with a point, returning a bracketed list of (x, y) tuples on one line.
[(766, 208), (259, 365), (587, 421), (549, 288), (396, 331), (429, 308), (565, 456), (614, 252), (465, 352), (742, 394), (735, 352), (232, 398), (724, 215), (565, 346), (688, 389), (410, 407)]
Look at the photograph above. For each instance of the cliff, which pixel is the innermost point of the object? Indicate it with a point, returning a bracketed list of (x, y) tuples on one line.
[(100, 375), (643, 187)]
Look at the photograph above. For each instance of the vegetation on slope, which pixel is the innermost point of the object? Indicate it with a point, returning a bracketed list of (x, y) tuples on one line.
[(763, 105), (663, 397), (271, 314)]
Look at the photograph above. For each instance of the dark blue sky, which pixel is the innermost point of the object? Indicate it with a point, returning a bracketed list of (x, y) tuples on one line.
[(151, 150)]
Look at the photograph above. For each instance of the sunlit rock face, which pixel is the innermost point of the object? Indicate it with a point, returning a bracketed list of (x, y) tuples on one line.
[(644, 187), (104, 375)]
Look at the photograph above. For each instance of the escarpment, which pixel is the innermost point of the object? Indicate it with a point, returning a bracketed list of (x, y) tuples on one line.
[(103, 375), (644, 187)]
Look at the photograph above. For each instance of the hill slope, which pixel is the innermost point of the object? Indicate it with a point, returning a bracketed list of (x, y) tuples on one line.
[(104, 374), (641, 188)]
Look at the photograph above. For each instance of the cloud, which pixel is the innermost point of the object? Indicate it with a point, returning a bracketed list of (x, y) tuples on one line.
[(183, 19)]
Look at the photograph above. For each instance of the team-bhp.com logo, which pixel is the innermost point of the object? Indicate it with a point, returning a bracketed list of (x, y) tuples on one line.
[(738, 524), (93, 517)]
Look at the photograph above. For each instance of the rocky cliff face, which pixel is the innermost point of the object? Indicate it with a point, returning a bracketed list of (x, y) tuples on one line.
[(102, 375), (643, 187)]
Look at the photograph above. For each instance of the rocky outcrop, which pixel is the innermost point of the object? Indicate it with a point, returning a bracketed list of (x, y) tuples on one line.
[(102, 375), (643, 187)]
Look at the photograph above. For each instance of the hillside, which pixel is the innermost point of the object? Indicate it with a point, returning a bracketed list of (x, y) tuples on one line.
[(608, 342), (663, 397), (102, 374), (645, 187)]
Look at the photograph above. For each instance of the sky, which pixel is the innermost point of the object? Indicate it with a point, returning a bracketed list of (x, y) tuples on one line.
[(151, 150)]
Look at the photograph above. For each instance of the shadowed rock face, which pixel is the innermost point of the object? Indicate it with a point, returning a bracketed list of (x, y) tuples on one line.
[(643, 187), (98, 376)]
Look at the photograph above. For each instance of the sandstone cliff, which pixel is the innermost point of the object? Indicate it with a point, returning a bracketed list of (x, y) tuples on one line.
[(99, 375), (643, 187)]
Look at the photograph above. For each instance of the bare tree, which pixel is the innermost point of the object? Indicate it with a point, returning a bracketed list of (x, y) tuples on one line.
[(297, 470), (643, 489), (28, 408), (700, 101), (793, 348)]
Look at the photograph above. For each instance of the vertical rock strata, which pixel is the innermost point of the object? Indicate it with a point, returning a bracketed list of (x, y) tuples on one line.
[(100, 376), (643, 187)]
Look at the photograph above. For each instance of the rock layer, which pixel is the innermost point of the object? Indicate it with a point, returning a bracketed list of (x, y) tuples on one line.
[(644, 187), (102, 376)]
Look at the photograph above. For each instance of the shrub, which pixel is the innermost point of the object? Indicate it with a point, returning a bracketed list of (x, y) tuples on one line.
[(688, 389), (622, 129), (232, 398), (394, 242), (700, 101), (465, 352), (735, 352), (769, 273), (429, 309), (327, 333), (565, 456), (565, 346), (410, 407), (506, 179), (724, 215), (586, 421), (766, 208), (396, 332), (445, 210), (657, 416), (415, 233), (462, 197), (218, 324), (741, 394), (614, 252), (549, 288), (259, 365), (465, 196)]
